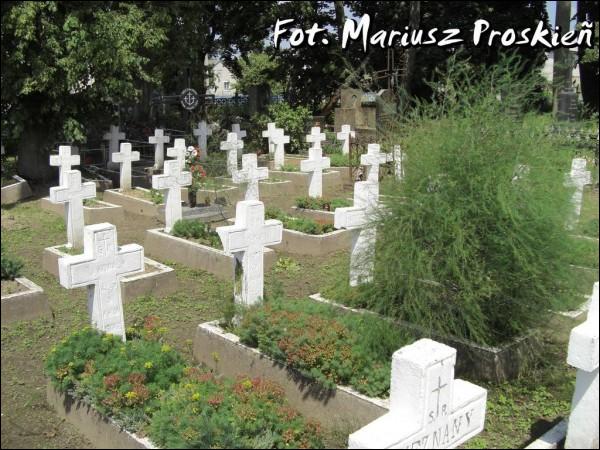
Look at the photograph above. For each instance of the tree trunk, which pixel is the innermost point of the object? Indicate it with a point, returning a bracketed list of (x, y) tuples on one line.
[(414, 22), (588, 72), (33, 156), (562, 68)]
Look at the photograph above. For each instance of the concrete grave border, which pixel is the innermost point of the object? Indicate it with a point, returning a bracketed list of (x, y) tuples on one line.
[(25, 305), (160, 282), (107, 212), (135, 205), (15, 192), (342, 407)]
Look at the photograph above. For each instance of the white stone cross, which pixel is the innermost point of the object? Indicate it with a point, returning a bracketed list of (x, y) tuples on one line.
[(178, 151), (159, 139), (173, 180), (315, 165), (113, 137), (124, 158), (72, 193), (315, 137), (268, 133), (344, 135), (428, 407), (578, 178), (279, 140), (356, 219), (582, 430), (202, 132), (247, 240), (241, 134), (232, 145), (250, 174), (399, 158), (372, 160), (100, 268), (64, 160)]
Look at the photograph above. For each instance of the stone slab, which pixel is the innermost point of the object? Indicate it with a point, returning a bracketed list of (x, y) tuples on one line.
[(135, 205), (342, 408), (15, 192), (161, 281), (29, 304), (196, 256), (105, 212)]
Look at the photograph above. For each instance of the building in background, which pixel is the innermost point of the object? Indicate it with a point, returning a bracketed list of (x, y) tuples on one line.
[(223, 81)]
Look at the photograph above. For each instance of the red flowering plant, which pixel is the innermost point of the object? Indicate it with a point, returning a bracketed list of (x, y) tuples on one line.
[(194, 165)]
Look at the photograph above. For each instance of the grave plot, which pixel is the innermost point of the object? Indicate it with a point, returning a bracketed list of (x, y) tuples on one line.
[(14, 188), (94, 210)]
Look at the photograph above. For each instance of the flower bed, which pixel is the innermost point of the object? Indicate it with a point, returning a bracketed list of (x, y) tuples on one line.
[(198, 232), (144, 386), (303, 225)]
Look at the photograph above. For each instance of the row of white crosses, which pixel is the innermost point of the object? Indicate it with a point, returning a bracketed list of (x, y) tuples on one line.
[(356, 218)]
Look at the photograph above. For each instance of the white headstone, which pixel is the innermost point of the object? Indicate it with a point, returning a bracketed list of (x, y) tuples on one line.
[(124, 159), (172, 180), (241, 134), (372, 160), (582, 431), (178, 151), (202, 132), (315, 165), (344, 135), (356, 219), (315, 137), (398, 162), (100, 268), (268, 133), (428, 407), (232, 145), (64, 160), (250, 174), (159, 140), (279, 140), (578, 178), (247, 240), (113, 137), (72, 193)]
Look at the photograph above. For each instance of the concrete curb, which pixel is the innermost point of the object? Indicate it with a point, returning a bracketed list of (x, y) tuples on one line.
[(15, 192), (25, 305)]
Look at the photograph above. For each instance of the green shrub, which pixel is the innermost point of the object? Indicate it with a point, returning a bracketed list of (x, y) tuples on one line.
[(339, 160), (205, 412), (11, 267), (300, 224), (321, 203), (199, 231), (324, 345), (470, 250), (293, 120)]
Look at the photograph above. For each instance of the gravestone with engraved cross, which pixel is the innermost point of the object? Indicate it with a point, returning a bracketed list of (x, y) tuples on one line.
[(250, 174), (100, 268), (172, 180), (64, 161), (202, 132), (124, 158), (159, 140), (582, 430), (232, 145), (279, 141), (178, 151), (113, 137), (268, 133), (344, 135), (428, 407), (72, 194), (247, 240)]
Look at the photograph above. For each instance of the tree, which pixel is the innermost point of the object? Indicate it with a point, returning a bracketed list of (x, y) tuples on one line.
[(588, 57), (65, 65)]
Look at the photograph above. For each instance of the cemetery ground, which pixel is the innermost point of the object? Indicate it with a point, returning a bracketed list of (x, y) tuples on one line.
[(518, 411)]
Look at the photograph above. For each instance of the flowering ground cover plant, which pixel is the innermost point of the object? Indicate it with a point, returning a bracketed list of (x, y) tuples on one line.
[(145, 386), (333, 349), (304, 225)]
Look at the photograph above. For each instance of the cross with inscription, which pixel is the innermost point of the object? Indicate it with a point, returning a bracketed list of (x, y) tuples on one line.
[(279, 140), (202, 132), (64, 160), (178, 152), (315, 137), (247, 240), (124, 158), (113, 137), (268, 133), (100, 268), (173, 180), (315, 165), (250, 174), (232, 146), (159, 139), (72, 194), (344, 135), (428, 407)]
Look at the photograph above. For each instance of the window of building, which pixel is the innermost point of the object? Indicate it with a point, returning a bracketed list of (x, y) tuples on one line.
[(226, 85)]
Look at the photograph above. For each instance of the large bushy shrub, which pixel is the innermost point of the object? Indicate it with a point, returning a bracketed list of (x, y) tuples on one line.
[(294, 121), (472, 242)]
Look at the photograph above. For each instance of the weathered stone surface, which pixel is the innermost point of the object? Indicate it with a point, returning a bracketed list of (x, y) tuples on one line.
[(172, 180), (232, 145), (64, 161)]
